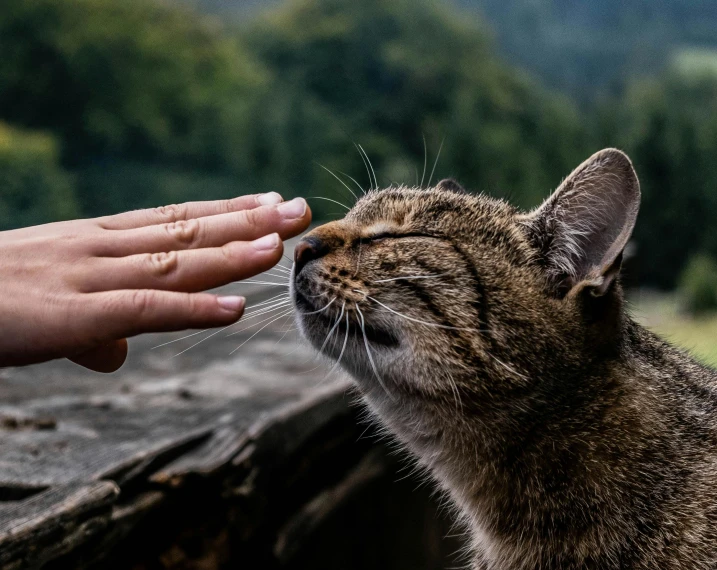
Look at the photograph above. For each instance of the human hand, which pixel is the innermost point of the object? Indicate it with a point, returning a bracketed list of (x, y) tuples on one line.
[(77, 289)]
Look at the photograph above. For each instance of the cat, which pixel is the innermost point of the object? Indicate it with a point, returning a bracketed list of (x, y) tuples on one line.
[(496, 346)]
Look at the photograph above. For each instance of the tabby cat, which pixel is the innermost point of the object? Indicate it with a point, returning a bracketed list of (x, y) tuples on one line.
[(496, 346)]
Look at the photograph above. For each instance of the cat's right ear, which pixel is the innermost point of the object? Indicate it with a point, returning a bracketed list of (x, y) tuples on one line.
[(582, 229)]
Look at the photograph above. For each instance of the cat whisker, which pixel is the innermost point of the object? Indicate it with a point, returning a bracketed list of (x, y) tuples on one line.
[(287, 331), (375, 181), (330, 200), (339, 179), (292, 351), (260, 310), (205, 338), (280, 274), (368, 352), (320, 310), (269, 301), (260, 314), (277, 275), (245, 318), (425, 160), (273, 299), (178, 339), (265, 310), (251, 282), (509, 368), (364, 293), (343, 348), (333, 328), (368, 172), (456, 393), (261, 329), (354, 181), (422, 322), (322, 294), (410, 277), (435, 163), (303, 372)]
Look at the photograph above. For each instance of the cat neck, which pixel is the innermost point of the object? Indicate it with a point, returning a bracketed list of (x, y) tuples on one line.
[(564, 457)]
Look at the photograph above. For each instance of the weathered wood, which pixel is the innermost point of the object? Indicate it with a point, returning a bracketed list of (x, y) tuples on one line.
[(292, 535), (53, 522)]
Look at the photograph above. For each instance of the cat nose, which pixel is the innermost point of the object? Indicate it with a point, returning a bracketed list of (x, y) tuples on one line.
[(308, 249)]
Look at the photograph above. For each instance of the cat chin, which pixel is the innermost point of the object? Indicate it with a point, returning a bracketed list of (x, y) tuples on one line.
[(319, 325)]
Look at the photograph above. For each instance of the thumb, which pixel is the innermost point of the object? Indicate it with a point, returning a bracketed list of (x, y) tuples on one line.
[(106, 358)]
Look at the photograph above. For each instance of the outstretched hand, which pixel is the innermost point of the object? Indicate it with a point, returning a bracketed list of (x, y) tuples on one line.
[(78, 289)]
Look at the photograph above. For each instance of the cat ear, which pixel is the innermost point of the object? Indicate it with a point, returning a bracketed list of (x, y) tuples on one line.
[(582, 229), (451, 185)]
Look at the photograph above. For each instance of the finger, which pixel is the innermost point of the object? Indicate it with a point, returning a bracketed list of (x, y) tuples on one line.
[(287, 219), (128, 313), (186, 211), (105, 358), (189, 271)]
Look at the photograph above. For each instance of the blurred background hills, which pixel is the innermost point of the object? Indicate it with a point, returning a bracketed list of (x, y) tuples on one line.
[(584, 47), (107, 105)]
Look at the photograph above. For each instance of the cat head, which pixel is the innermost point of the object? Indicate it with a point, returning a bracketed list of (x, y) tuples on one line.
[(429, 292)]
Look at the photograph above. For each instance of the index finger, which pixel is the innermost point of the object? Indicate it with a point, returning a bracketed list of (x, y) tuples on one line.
[(186, 211)]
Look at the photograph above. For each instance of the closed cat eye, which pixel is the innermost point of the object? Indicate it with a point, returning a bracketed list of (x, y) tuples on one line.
[(388, 235)]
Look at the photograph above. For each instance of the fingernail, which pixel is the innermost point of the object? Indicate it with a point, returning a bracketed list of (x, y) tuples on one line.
[(231, 303), (267, 242), (270, 199), (296, 208)]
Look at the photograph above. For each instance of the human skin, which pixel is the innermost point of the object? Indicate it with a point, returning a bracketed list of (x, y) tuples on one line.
[(78, 289)]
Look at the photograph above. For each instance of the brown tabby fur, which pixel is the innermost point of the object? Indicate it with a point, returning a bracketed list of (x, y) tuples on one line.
[(568, 436)]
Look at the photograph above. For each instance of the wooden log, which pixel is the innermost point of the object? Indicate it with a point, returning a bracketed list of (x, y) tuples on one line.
[(53, 522)]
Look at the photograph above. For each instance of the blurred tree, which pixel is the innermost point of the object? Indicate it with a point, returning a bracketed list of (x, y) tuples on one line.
[(698, 285), (138, 79), (587, 48), (33, 186)]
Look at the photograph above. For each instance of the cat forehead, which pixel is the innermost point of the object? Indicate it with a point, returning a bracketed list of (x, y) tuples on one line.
[(411, 207)]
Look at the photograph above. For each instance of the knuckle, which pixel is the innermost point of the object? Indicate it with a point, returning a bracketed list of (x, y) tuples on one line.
[(163, 263), (253, 217), (192, 303), (229, 206), (183, 231), (232, 251), (171, 213), (141, 300)]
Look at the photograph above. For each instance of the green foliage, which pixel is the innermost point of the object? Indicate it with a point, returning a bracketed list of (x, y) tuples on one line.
[(33, 186), (139, 79), (695, 63), (589, 47), (115, 187), (698, 285)]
